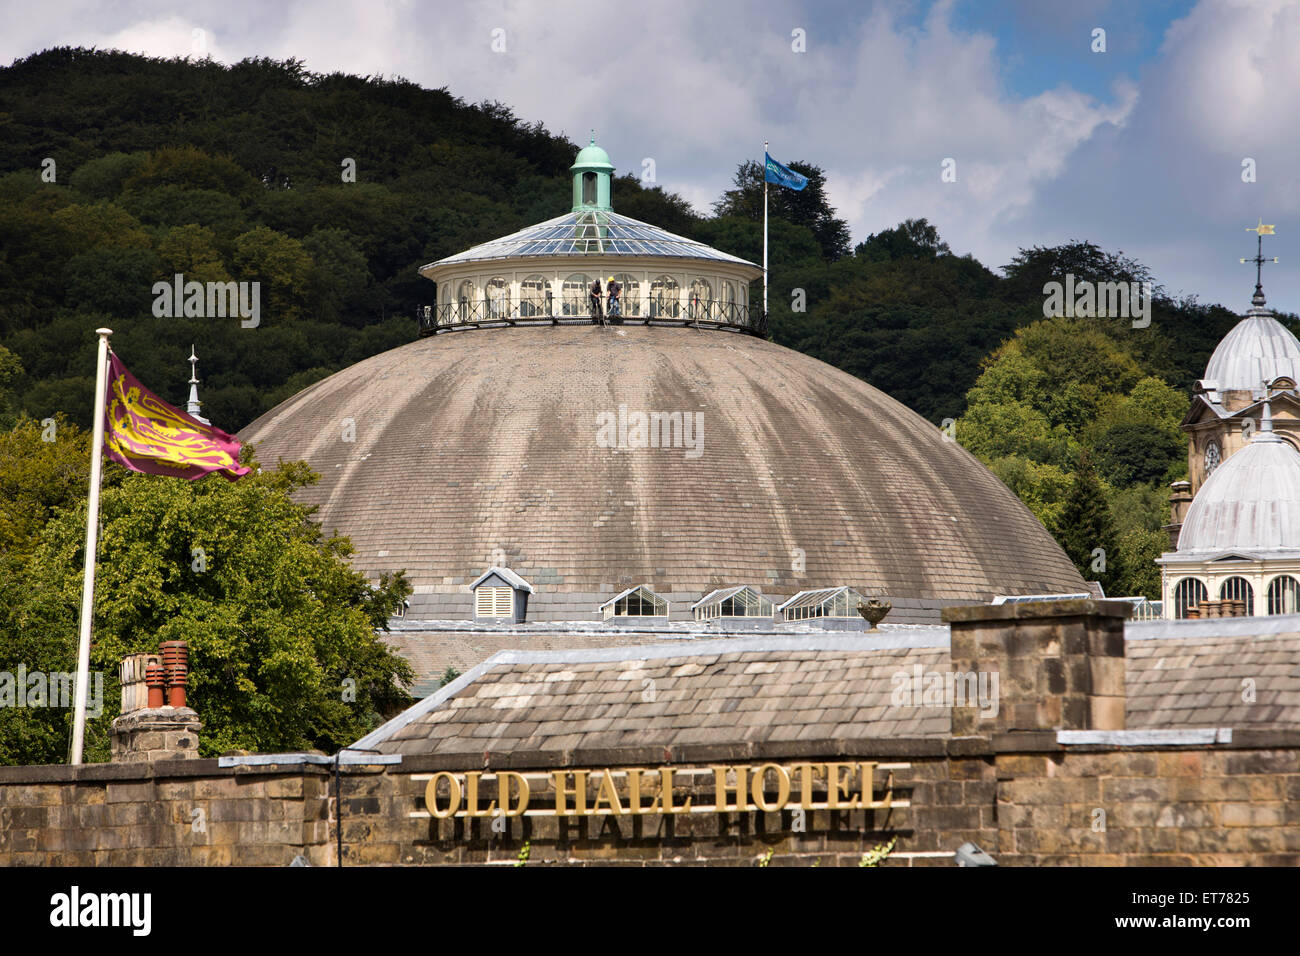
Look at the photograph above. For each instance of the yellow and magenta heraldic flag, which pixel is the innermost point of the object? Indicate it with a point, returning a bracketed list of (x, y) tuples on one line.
[(144, 433)]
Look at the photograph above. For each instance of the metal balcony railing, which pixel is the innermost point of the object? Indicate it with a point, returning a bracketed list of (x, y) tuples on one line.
[(659, 310)]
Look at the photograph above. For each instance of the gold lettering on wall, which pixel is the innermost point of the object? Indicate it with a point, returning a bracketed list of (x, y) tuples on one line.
[(736, 788)]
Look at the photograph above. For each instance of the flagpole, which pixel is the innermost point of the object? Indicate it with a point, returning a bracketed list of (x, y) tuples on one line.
[(765, 230), (92, 541)]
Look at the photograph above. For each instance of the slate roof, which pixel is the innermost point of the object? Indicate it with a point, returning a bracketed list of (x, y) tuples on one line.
[(814, 687), (1199, 681), (488, 440), (769, 689)]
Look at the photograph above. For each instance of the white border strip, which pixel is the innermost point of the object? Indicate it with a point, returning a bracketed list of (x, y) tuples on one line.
[(1213, 627), (1192, 736)]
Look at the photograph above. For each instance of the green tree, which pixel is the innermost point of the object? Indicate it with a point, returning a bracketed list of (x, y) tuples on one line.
[(11, 369), (340, 274), (192, 251), (1043, 488), (283, 650), (101, 224), (1130, 453), (103, 177), (1086, 530), (191, 168), (1140, 513), (281, 265), (910, 239), (44, 468), (112, 281), (1030, 269)]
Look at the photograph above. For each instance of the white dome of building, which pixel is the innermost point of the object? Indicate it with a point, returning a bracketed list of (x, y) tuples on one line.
[(1250, 503), (1258, 349)]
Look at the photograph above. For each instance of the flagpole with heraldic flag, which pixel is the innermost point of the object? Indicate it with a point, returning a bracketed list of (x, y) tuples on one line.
[(142, 433), (92, 541)]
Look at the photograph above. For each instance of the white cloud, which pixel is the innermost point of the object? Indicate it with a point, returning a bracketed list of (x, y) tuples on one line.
[(1166, 186), (168, 37)]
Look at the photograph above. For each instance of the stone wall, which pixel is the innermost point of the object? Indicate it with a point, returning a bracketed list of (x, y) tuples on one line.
[(165, 813), (1026, 801), (1182, 806), (1023, 797)]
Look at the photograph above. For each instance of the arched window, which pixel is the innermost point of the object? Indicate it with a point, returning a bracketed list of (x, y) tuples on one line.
[(532, 296), (465, 301), (728, 301), (574, 295), (589, 188), (1238, 589), (631, 294), (1284, 595), (700, 304), (665, 298), (498, 298), (1188, 593)]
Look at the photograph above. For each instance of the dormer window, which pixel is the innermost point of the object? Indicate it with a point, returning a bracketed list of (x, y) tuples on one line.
[(822, 602), (732, 602), (500, 595), (635, 602)]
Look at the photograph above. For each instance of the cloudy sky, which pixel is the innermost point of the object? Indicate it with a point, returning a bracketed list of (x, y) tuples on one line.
[(1138, 148)]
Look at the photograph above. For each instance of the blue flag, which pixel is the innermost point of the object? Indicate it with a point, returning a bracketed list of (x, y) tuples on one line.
[(783, 175)]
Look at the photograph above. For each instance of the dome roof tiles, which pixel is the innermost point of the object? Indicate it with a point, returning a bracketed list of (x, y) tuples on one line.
[(808, 477), (1250, 503), (1258, 349)]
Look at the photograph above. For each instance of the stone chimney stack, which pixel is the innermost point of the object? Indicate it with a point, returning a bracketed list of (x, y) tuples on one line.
[(1060, 664), (150, 730), (1179, 501)]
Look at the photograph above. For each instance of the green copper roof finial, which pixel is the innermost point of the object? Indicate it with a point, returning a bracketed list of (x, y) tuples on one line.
[(592, 171)]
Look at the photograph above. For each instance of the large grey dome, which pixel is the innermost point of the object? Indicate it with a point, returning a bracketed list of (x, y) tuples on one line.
[(479, 440), (1250, 503), (1258, 349)]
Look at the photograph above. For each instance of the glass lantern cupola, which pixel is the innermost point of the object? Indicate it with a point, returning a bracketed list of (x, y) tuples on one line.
[(546, 273), (591, 179)]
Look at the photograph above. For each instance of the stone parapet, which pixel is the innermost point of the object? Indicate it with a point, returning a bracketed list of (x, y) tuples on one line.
[(1060, 664)]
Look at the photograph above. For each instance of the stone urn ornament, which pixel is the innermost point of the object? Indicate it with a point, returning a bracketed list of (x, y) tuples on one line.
[(874, 610)]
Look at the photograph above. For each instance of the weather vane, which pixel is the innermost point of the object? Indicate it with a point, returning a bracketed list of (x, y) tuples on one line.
[(1261, 230)]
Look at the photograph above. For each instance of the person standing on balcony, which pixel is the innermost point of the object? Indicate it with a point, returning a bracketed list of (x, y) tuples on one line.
[(597, 317), (614, 293)]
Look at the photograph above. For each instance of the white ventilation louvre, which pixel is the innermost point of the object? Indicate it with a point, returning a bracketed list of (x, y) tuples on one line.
[(493, 602)]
